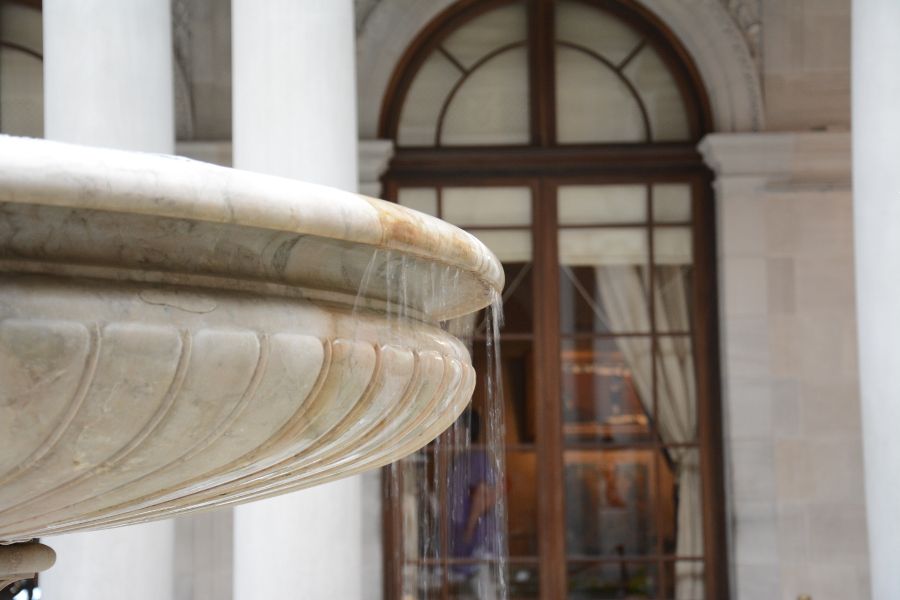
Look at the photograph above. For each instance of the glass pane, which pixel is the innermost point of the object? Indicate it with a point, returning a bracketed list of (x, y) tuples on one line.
[(422, 106), (671, 202), (517, 304), (604, 299), (487, 33), (672, 246), (517, 368), (419, 516), (680, 502), (517, 298), (21, 93), (479, 206), (420, 199), (592, 103), (610, 509), (660, 95), (674, 288), (676, 388), (687, 580), (510, 246), (491, 107), (598, 246), (521, 478), (584, 25), (620, 579), (523, 581), (421, 581), (585, 204), (606, 389)]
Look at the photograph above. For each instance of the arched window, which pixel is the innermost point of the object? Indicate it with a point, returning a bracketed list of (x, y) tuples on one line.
[(562, 134)]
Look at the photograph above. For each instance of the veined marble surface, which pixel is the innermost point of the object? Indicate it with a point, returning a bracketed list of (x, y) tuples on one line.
[(177, 336)]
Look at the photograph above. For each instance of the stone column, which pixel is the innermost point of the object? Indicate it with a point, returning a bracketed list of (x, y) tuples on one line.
[(876, 200), (295, 115), (108, 82), (108, 74)]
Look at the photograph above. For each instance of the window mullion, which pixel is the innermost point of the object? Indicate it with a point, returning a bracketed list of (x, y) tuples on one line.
[(551, 501), (542, 94)]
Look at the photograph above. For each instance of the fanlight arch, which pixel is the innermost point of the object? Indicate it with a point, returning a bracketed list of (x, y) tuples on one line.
[(563, 133), (618, 76)]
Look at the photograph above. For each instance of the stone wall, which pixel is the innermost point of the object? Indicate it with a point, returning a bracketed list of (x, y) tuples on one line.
[(790, 390), (806, 64)]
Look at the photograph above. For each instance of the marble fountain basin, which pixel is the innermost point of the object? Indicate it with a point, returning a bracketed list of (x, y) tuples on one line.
[(177, 336)]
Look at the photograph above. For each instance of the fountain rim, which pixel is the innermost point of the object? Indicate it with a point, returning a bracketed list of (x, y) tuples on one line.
[(63, 175)]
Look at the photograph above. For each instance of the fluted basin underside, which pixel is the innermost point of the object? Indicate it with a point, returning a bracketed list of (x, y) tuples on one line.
[(177, 336)]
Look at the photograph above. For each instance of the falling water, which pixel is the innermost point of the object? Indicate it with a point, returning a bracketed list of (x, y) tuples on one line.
[(440, 549)]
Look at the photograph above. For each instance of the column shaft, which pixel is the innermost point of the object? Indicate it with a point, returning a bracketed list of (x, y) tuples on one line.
[(876, 198), (295, 116), (108, 82), (108, 74)]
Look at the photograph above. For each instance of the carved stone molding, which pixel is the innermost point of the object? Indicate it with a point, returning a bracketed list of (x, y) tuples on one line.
[(747, 14), (132, 420), (177, 336), (22, 561)]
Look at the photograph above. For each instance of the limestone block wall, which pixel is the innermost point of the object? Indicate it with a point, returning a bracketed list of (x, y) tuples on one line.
[(805, 60), (790, 383)]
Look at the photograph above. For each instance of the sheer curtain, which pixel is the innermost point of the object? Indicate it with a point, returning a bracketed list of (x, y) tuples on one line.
[(622, 289), (624, 294)]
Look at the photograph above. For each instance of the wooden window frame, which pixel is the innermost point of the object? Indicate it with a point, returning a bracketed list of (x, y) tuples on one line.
[(544, 166)]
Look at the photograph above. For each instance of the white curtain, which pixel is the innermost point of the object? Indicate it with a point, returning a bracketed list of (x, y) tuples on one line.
[(624, 294)]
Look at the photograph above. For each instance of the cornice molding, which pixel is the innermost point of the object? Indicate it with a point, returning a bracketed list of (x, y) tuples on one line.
[(781, 159)]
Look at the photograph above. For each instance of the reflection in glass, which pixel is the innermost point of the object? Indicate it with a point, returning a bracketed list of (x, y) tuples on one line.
[(601, 398), (611, 503), (521, 482), (620, 579)]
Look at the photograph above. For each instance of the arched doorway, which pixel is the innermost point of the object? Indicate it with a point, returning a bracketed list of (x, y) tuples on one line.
[(562, 133)]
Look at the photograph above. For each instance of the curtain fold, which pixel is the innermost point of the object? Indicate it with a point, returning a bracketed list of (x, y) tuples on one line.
[(624, 292)]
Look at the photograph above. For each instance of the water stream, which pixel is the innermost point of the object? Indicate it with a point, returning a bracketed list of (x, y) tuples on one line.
[(446, 504)]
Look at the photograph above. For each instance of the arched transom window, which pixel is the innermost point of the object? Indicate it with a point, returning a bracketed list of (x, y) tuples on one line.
[(562, 133)]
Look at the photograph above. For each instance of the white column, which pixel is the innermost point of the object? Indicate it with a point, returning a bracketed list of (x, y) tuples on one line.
[(876, 198), (295, 115), (108, 74), (108, 82)]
